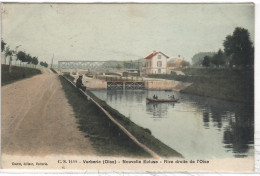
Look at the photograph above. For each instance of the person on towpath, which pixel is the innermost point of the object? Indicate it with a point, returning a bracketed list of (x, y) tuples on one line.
[(79, 83)]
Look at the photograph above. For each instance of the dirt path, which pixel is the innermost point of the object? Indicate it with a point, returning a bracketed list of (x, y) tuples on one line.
[(37, 119)]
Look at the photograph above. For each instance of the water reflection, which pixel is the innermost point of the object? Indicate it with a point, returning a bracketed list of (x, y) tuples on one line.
[(240, 132), (129, 96), (197, 127), (238, 121), (158, 110), (206, 119)]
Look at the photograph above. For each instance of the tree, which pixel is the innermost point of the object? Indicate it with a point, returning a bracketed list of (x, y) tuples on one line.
[(21, 56), (206, 61), (185, 63), (9, 52), (219, 58), (44, 64), (239, 48), (198, 58), (28, 58), (2, 45), (35, 61)]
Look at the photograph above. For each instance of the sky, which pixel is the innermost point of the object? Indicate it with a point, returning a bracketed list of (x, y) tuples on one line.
[(121, 31)]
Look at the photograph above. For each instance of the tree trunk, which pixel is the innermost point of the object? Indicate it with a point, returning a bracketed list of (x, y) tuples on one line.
[(10, 64)]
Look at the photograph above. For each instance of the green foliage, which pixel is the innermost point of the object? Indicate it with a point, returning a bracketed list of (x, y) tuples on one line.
[(206, 61), (35, 61), (238, 50), (2, 45), (8, 51), (239, 47), (28, 58), (44, 64), (21, 56), (219, 58), (68, 76), (222, 83), (199, 57), (229, 84)]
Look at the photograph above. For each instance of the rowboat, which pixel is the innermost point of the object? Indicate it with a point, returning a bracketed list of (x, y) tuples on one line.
[(162, 100)]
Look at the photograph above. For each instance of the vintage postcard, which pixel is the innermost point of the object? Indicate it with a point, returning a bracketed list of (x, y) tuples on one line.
[(137, 87)]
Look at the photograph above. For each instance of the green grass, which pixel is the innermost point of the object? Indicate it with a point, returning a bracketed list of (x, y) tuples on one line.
[(17, 73), (106, 137), (229, 84), (69, 77)]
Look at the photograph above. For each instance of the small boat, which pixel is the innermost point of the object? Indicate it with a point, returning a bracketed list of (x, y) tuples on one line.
[(162, 100)]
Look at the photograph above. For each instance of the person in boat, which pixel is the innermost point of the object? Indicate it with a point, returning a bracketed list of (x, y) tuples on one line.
[(171, 97), (79, 83), (154, 96)]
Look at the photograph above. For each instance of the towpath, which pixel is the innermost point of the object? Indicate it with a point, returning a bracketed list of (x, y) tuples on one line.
[(38, 120)]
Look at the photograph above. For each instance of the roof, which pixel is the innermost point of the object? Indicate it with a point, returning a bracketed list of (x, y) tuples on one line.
[(153, 54)]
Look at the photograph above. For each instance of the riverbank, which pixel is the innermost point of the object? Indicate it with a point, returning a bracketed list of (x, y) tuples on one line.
[(108, 139), (228, 84), (17, 73)]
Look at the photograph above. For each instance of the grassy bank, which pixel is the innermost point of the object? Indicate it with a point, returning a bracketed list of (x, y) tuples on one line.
[(229, 84), (69, 77), (17, 73), (107, 138)]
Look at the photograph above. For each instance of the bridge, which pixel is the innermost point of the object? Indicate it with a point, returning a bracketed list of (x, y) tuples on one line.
[(81, 64), (100, 75), (99, 65)]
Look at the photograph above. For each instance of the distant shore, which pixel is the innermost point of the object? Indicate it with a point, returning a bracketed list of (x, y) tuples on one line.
[(227, 84), (150, 83)]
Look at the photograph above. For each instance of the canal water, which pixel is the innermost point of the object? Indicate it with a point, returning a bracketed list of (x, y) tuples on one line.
[(197, 127)]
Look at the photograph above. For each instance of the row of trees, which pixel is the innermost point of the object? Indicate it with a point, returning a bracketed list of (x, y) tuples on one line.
[(238, 51), (21, 56), (218, 59), (44, 64)]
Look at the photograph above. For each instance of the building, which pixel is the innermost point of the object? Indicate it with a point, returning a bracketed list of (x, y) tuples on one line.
[(156, 63)]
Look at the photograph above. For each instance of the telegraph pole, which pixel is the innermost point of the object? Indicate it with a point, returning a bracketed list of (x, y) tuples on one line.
[(52, 60)]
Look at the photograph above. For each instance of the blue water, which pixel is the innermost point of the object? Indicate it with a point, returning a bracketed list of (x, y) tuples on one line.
[(197, 127)]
